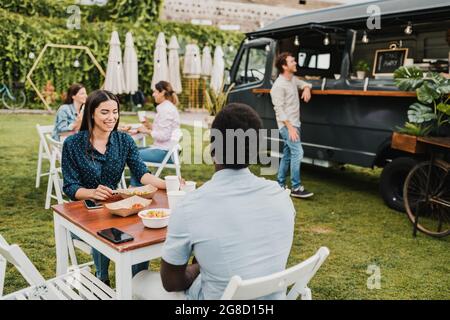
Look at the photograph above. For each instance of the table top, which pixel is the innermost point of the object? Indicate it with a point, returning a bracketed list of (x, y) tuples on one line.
[(443, 142), (95, 220)]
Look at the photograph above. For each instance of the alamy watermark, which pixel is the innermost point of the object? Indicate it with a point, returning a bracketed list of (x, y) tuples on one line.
[(374, 280), (374, 20), (74, 20)]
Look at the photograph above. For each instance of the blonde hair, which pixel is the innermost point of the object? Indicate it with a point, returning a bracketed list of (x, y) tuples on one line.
[(169, 94)]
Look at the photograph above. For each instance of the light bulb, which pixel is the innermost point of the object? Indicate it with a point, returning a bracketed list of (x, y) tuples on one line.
[(296, 41), (409, 28), (76, 63), (326, 40), (267, 48), (365, 38), (246, 41)]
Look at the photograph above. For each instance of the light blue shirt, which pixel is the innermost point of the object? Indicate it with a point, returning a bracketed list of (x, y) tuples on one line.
[(65, 117), (235, 224)]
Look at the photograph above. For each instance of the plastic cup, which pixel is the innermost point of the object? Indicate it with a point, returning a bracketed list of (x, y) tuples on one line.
[(141, 116), (172, 183), (175, 197), (189, 186)]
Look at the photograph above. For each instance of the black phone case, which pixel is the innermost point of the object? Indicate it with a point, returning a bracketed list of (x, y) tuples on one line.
[(112, 240)]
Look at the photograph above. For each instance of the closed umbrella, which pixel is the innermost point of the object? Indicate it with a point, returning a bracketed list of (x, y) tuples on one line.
[(114, 80), (218, 70), (160, 67), (192, 63), (192, 69), (130, 63), (206, 62), (174, 65)]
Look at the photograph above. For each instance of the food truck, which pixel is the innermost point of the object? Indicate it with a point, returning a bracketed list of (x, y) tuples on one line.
[(351, 116)]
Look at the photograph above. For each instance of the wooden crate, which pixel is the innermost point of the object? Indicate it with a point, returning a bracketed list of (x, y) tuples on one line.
[(407, 143)]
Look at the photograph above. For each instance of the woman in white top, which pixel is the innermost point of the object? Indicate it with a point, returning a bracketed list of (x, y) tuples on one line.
[(166, 121)]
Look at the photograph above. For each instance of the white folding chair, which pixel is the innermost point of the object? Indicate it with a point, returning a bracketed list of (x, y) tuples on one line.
[(44, 151), (175, 147), (55, 191), (54, 184), (299, 275), (78, 284), (147, 285)]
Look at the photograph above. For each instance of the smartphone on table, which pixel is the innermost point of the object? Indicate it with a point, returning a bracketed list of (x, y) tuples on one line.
[(91, 204), (115, 235)]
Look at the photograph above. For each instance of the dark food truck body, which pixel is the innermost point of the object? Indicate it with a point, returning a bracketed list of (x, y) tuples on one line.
[(348, 120)]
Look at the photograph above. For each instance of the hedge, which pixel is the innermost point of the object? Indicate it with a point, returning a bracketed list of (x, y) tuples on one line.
[(23, 34)]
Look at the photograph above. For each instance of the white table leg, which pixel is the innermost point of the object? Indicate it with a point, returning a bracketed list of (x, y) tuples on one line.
[(62, 257), (124, 277)]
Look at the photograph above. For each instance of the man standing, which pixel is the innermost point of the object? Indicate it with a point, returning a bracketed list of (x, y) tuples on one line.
[(286, 101)]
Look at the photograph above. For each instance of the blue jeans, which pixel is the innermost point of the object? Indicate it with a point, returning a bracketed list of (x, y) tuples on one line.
[(102, 264), (292, 158), (150, 155)]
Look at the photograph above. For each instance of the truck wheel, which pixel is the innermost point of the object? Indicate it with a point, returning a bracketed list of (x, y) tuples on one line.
[(392, 179)]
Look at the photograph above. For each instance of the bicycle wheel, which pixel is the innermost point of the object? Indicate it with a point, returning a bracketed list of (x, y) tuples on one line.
[(14, 99), (434, 210)]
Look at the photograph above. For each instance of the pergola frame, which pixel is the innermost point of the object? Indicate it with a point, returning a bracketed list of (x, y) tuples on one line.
[(62, 46)]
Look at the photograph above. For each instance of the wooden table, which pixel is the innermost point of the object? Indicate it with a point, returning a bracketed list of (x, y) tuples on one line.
[(84, 223)]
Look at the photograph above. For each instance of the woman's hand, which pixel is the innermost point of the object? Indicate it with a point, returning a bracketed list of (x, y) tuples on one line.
[(143, 129), (101, 193)]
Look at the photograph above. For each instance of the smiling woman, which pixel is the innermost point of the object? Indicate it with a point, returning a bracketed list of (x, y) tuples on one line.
[(93, 160)]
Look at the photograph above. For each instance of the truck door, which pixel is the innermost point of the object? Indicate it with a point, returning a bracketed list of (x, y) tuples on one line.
[(252, 69)]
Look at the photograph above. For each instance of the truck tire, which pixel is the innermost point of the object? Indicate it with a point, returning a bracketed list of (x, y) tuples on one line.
[(392, 179)]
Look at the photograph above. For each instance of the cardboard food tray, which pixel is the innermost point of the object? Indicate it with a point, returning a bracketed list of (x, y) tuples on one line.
[(149, 191), (123, 207)]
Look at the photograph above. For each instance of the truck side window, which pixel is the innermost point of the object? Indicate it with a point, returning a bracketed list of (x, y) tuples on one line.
[(323, 61), (312, 60), (252, 66)]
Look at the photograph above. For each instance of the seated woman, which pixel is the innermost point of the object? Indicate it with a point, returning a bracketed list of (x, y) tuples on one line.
[(69, 115), (167, 120), (94, 158)]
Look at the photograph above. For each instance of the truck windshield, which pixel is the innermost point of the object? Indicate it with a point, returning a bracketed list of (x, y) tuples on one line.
[(252, 66)]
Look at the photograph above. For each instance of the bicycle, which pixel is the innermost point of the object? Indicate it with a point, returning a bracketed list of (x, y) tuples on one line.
[(426, 191), (14, 98)]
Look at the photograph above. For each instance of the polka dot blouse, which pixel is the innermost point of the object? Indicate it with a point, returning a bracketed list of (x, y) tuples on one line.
[(84, 167)]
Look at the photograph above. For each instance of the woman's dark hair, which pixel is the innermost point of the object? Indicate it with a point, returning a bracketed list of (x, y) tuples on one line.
[(235, 136), (72, 91), (169, 94), (92, 103)]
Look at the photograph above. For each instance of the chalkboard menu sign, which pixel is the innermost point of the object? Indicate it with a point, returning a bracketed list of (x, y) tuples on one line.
[(389, 60)]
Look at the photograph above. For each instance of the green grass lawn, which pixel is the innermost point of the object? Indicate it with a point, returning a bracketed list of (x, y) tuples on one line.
[(346, 215)]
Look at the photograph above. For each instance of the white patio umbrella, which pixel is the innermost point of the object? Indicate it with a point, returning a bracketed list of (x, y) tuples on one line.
[(160, 67), (174, 65), (206, 62), (218, 70), (114, 80), (130, 63), (192, 61)]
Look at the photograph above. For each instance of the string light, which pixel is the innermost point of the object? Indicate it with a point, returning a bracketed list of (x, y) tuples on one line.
[(326, 40), (31, 55), (76, 63), (409, 28), (267, 48), (296, 41), (365, 38)]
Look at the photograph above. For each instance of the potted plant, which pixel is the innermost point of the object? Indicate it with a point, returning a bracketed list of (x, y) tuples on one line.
[(433, 94), (215, 101), (362, 67)]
